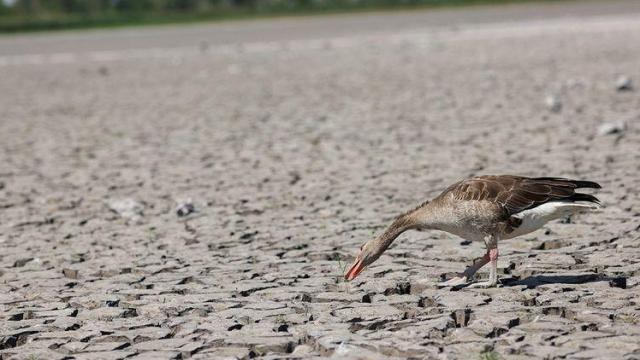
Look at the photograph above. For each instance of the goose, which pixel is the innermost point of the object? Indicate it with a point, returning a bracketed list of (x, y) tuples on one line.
[(487, 208)]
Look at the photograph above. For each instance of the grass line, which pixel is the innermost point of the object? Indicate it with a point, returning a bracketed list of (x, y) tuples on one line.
[(60, 21)]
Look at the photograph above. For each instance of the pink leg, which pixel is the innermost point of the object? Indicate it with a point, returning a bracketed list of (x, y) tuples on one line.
[(493, 273), (468, 274), (493, 254)]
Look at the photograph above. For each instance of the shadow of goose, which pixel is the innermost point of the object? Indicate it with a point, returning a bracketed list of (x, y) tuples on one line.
[(532, 282)]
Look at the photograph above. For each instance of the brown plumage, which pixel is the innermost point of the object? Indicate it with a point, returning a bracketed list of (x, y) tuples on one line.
[(486, 208), (516, 193)]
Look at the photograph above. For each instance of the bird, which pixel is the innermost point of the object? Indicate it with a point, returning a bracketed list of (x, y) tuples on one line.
[(489, 209)]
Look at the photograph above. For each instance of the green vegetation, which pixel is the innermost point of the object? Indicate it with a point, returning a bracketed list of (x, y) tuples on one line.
[(35, 15), (342, 268), (490, 355)]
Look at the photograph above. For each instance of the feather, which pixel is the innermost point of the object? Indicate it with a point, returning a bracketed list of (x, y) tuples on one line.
[(515, 194)]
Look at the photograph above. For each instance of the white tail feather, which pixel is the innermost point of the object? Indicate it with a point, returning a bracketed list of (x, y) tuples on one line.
[(535, 218)]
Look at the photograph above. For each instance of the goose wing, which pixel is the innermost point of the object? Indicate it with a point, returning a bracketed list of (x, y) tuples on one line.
[(516, 193)]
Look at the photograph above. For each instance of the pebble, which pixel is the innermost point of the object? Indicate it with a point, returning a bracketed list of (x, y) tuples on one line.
[(553, 103), (70, 273), (127, 208), (624, 83), (612, 128), (185, 208)]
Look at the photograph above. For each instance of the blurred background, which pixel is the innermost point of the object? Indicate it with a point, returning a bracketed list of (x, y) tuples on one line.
[(28, 15)]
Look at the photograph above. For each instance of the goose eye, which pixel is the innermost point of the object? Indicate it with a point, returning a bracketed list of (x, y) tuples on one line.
[(361, 247)]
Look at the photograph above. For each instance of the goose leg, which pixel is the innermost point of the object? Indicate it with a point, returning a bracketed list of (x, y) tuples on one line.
[(493, 271), (468, 274)]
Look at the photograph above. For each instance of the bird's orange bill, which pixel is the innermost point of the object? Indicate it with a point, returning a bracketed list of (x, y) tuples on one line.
[(354, 270)]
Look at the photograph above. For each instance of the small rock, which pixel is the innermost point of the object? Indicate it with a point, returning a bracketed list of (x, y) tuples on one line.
[(553, 103), (70, 273), (624, 83), (366, 298), (129, 313), (112, 303), (185, 208), (127, 208), (461, 317), (401, 288), (304, 297), (612, 128)]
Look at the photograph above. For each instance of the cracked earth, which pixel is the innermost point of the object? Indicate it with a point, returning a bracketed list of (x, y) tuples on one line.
[(167, 196)]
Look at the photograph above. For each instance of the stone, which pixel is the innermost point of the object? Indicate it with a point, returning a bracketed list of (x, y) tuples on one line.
[(610, 128), (553, 103), (128, 208), (624, 83), (185, 208), (70, 273)]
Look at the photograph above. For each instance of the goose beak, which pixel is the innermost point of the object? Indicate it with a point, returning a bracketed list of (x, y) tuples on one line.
[(354, 270)]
